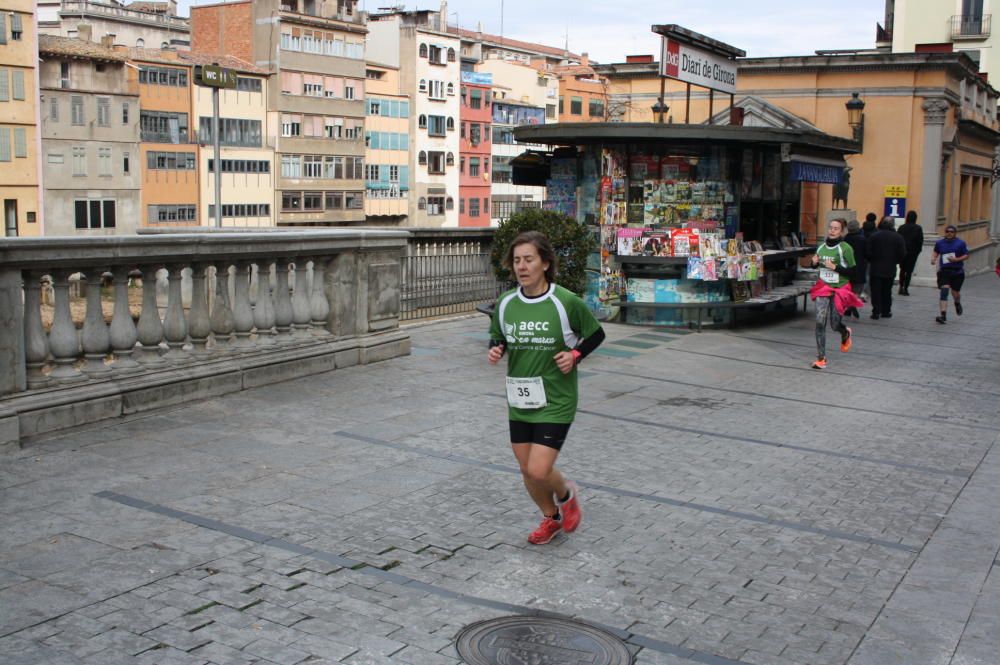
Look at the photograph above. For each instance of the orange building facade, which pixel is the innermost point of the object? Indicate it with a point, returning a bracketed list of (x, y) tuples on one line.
[(475, 148)]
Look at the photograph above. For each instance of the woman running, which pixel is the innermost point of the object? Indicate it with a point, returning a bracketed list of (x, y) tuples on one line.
[(546, 331), (832, 291)]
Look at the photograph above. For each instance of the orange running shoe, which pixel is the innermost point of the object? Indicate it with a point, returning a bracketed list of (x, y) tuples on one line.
[(819, 363), (571, 513), (546, 531), (845, 346)]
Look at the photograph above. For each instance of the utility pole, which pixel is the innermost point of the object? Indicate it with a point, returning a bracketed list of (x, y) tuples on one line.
[(216, 77)]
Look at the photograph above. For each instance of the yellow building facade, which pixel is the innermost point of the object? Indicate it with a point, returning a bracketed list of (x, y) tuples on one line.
[(387, 147), (20, 141)]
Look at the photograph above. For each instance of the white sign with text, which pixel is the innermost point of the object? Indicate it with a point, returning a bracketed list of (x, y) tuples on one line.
[(693, 65)]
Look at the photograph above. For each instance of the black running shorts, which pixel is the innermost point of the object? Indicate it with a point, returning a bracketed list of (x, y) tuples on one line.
[(952, 279), (547, 434)]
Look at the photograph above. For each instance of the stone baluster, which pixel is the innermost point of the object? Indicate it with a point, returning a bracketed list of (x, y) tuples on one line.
[(96, 338), (63, 339), (319, 306), (199, 323), (222, 314), (150, 327), (174, 326), (123, 333), (36, 344), (242, 312), (301, 314), (282, 301), (263, 311)]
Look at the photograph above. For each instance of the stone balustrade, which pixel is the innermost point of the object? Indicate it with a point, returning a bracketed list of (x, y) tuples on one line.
[(241, 310)]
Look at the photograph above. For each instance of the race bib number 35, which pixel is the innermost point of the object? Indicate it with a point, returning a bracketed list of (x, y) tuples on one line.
[(526, 393)]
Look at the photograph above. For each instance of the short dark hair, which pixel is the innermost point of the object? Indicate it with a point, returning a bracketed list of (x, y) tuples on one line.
[(886, 224), (951, 227), (911, 217), (871, 217), (545, 252)]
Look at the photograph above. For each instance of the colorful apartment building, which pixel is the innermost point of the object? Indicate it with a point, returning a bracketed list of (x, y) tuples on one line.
[(246, 151), (427, 57), (387, 142), (169, 152), (522, 95), (314, 50), (90, 138), (475, 149), (583, 94), (19, 136)]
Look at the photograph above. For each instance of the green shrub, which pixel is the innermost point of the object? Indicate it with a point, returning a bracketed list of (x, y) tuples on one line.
[(572, 242)]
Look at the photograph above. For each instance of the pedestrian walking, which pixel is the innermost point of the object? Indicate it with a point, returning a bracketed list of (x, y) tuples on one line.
[(546, 331), (913, 238), (867, 229), (886, 249), (856, 240), (950, 254), (832, 292)]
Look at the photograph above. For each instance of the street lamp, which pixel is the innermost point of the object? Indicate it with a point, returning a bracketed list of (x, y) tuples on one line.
[(660, 109), (856, 117)]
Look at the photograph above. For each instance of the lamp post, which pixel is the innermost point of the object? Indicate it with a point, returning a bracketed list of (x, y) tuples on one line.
[(856, 117), (660, 109)]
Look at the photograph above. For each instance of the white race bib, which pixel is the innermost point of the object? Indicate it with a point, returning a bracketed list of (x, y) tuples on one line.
[(829, 276), (526, 393)]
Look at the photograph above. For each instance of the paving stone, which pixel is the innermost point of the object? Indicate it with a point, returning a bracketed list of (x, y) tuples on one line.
[(178, 638), (278, 653)]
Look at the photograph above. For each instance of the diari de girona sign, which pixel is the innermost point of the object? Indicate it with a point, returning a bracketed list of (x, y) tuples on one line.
[(696, 66)]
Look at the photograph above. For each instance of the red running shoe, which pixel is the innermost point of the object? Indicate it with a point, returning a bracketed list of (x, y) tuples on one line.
[(546, 531), (571, 513)]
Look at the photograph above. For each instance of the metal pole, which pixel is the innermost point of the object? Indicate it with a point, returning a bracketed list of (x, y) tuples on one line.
[(687, 105), (711, 104), (663, 87), (218, 162), (732, 105)]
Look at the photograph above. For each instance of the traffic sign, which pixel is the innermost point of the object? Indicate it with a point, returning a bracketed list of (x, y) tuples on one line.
[(895, 206)]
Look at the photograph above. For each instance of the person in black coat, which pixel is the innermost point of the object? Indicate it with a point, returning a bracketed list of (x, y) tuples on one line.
[(885, 249), (913, 236), (856, 240)]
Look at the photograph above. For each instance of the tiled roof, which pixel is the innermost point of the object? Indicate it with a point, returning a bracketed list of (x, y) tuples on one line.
[(188, 58), (512, 43), (77, 48)]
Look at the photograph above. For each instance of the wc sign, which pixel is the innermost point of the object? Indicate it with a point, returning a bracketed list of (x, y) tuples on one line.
[(895, 202)]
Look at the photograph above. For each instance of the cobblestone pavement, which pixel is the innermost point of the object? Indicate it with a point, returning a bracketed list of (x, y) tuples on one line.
[(739, 507)]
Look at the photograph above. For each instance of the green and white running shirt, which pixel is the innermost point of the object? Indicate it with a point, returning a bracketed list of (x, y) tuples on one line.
[(842, 255), (534, 330)]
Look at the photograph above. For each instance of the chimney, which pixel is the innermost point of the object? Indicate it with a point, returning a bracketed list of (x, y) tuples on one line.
[(85, 32), (443, 17), (585, 59), (108, 40)]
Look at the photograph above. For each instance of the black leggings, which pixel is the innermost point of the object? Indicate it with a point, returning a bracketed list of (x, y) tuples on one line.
[(906, 270)]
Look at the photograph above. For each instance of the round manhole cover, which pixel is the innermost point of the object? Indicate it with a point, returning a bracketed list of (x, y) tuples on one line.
[(539, 641)]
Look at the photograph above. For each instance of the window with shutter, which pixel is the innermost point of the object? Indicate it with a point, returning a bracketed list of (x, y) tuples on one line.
[(4, 144), (20, 142), (3, 27), (54, 109), (4, 86), (16, 27), (18, 84)]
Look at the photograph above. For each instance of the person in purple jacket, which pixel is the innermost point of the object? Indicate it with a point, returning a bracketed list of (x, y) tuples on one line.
[(950, 254)]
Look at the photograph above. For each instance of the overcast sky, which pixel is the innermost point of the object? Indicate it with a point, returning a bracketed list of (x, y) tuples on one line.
[(609, 31)]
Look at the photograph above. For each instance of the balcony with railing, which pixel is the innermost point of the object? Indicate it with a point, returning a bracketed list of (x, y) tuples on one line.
[(102, 10), (172, 317), (970, 26)]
